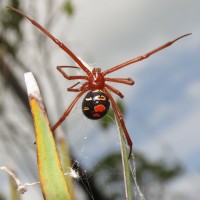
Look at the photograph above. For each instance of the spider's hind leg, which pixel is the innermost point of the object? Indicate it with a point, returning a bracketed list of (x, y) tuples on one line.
[(121, 120), (117, 92)]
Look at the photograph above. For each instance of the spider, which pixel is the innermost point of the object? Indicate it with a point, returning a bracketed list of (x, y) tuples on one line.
[(97, 101)]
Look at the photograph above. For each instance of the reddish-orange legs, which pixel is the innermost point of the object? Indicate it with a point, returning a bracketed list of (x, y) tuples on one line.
[(97, 101)]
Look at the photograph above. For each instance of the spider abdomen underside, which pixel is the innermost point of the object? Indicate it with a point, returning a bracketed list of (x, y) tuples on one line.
[(95, 104)]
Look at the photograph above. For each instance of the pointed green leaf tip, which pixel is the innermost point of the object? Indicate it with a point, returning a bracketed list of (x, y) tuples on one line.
[(50, 172)]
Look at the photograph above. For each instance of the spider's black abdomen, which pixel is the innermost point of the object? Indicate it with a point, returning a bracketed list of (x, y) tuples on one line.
[(95, 104)]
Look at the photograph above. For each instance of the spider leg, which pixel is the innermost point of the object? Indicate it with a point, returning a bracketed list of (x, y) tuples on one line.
[(139, 58), (117, 92), (72, 89), (66, 113), (60, 44), (73, 85), (120, 118), (59, 68), (74, 67), (127, 81)]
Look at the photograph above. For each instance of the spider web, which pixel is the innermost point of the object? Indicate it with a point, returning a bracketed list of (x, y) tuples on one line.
[(131, 162), (132, 166), (80, 170)]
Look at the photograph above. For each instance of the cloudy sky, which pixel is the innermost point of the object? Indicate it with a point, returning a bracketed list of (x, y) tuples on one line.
[(163, 107)]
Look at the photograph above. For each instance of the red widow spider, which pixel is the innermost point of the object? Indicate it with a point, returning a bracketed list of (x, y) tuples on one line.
[(97, 101)]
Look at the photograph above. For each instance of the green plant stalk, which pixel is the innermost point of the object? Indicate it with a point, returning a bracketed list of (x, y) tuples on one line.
[(125, 162)]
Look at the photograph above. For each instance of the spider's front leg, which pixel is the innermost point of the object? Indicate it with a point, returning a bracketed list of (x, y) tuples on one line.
[(66, 113), (121, 120), (140, 58), (60, 44), (72, 89), (59, 68), (127, 81)]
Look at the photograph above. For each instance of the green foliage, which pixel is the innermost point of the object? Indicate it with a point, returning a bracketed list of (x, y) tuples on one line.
[(68, 7), (109, 171), (2, 197), (10, 22), (107, 165), (158, 170)]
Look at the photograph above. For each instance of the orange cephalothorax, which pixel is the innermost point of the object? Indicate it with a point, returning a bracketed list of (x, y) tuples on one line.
[(96, 79)]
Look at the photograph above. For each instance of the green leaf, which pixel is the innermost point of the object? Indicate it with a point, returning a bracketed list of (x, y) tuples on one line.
[(51, 175), (66, 165)]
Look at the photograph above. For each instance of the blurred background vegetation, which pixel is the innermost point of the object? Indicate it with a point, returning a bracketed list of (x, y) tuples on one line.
[(16, 128)]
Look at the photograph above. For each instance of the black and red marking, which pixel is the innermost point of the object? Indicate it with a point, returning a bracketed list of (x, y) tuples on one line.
[(95, 104)]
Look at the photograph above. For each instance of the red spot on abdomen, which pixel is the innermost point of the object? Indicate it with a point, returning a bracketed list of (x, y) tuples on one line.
[(99, 108), (96, 115)]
